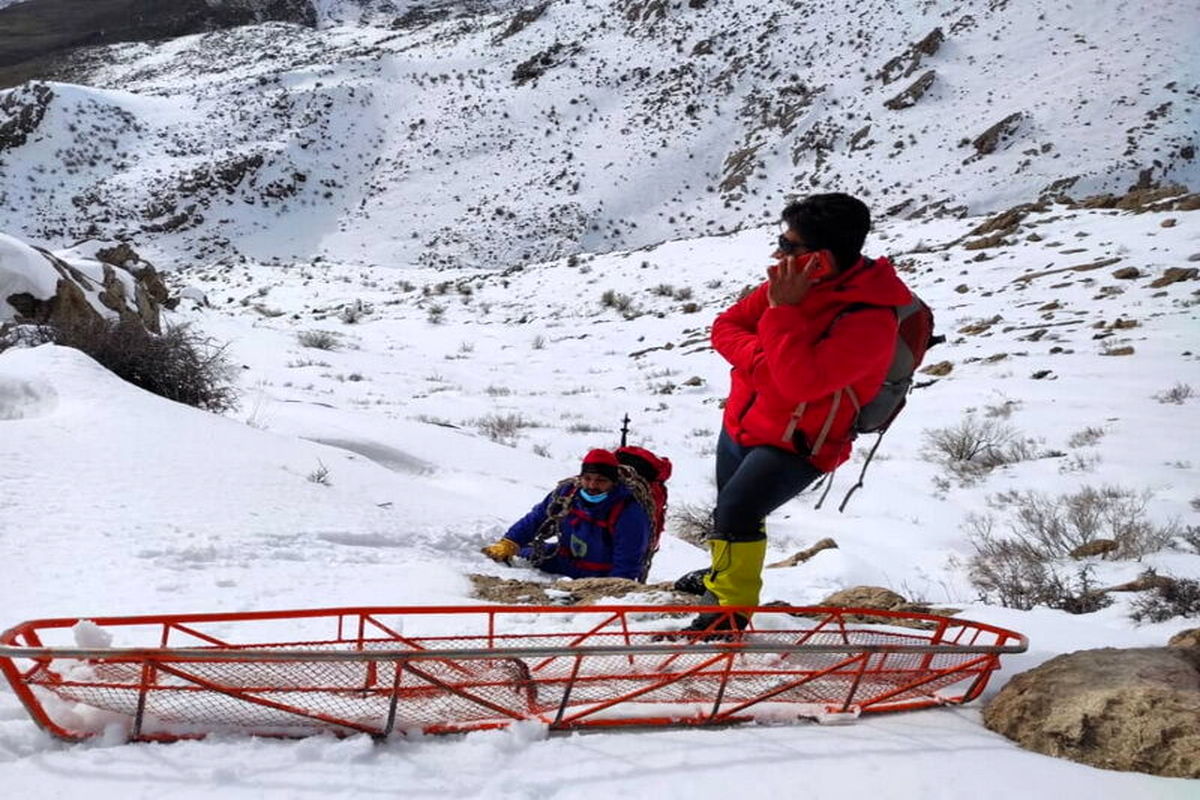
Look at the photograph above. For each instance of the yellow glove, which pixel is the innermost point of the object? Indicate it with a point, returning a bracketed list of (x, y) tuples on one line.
[(502, 550)]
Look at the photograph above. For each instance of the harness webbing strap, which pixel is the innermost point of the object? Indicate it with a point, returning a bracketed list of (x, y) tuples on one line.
[(833, 407), (790, 430)]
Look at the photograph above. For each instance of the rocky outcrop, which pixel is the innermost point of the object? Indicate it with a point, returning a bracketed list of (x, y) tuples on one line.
[(1133, 710), (991, 139), (907, 62), (41, 288), (21, 112), (909, 97)]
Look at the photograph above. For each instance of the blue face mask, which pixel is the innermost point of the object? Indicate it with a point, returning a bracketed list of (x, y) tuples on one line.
[(592, 498)]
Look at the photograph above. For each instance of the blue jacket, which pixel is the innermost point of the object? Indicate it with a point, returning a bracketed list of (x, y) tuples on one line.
[(590, 543)]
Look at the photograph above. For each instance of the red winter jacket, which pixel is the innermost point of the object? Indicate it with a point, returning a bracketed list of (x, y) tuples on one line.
[(790, 361)]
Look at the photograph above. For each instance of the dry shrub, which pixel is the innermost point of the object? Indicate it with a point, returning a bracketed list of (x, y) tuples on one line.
[(1030, 564), (692, 522), (1058, 525), (318, 340), (502, 427), (1179, 598), (180, 364), (974, 447)]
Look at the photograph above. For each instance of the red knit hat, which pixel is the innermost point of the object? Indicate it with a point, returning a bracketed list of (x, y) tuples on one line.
[(601, 462)]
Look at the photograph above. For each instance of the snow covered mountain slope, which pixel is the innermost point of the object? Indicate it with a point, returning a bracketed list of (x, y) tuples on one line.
[(443, 405), (486, 134)]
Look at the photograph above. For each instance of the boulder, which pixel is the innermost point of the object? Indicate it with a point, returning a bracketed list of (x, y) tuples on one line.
[(865, 597), (1124, 709), (1187, 638), (42, 288)]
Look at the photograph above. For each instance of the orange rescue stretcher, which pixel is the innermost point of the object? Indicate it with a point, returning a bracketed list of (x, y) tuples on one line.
[(381, 670)]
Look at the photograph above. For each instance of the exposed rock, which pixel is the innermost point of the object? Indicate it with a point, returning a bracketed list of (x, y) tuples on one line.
[(909, 97), (21, 111), (1174, 275), (989, 140), (1104, 262), (1188, 638), (1133, 710), (995, 240), (1144, 582), (1125, 350), (565, 591), (522, 19), (885, 600), (907, 62), (1127, 273), (84, 290), (538, 64), (1170, 197), (1007, 221), (1096, 547), (804, 555), (939, 369), (865, 597)]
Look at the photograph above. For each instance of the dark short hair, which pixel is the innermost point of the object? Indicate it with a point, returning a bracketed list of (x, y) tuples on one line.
[(836, 222)]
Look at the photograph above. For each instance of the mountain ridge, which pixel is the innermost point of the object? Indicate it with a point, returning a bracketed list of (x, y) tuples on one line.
[(485, 134)]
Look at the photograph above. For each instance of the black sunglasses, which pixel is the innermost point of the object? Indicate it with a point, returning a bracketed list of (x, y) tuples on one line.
[(788, 247)]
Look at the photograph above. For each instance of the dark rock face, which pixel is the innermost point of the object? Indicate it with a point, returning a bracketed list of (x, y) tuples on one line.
[(35, 32), (21, 112)]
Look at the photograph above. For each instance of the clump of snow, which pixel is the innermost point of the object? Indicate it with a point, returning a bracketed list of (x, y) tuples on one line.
[(88, 634)]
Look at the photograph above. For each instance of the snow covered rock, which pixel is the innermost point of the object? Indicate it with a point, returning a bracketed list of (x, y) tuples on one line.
[(37, 286), (1132, 709)]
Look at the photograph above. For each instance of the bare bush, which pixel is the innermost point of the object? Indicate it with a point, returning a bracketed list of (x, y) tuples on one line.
[(1086, 437), (585, 427), (502, 427), (354, 312), (1177, 598), (974, 447), (614, 299), (1030, 564), (692, 522), (1059, 525), (1190, 536), (318, 340), (1079, 462), (1177, 394), (320, 475), (180, 365), (1016, 573)]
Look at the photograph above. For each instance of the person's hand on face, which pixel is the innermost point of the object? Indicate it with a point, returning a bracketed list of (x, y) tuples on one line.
[(795, 271)]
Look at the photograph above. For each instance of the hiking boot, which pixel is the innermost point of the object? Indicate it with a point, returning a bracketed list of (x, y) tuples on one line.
[(715, 626), (692, 582)]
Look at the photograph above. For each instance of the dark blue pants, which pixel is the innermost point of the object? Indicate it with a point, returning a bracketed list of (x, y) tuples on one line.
[(751, 483)]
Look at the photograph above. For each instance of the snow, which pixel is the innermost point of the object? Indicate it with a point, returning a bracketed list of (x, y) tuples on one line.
[(416, 145), (365, 474), (23, 270), (113, 501)]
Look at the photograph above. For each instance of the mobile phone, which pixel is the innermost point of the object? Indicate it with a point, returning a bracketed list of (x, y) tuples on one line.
[(820, 265)]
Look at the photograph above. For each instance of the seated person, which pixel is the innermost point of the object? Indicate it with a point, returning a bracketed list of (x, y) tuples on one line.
[(588, 527)]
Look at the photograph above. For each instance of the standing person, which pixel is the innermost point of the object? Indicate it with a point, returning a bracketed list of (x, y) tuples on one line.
[(598, 527), (808, 347)]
